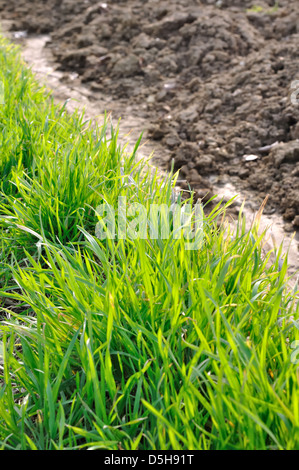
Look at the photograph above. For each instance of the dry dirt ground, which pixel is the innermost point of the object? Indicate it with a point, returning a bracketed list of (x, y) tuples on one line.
[(215, 83)]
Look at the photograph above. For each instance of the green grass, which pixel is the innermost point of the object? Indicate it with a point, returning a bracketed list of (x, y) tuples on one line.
[(128, 343), (260, 10)]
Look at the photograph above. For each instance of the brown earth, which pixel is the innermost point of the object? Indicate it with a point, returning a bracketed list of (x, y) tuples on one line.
[(213, 80)]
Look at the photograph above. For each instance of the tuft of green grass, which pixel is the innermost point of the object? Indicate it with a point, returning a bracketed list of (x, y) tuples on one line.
[(260, 9), (129, 343)]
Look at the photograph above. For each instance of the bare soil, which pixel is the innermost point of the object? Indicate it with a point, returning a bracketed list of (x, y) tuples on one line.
[(209, 81)]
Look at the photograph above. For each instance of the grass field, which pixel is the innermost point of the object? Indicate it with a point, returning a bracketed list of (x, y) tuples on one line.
[(128, 342)]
